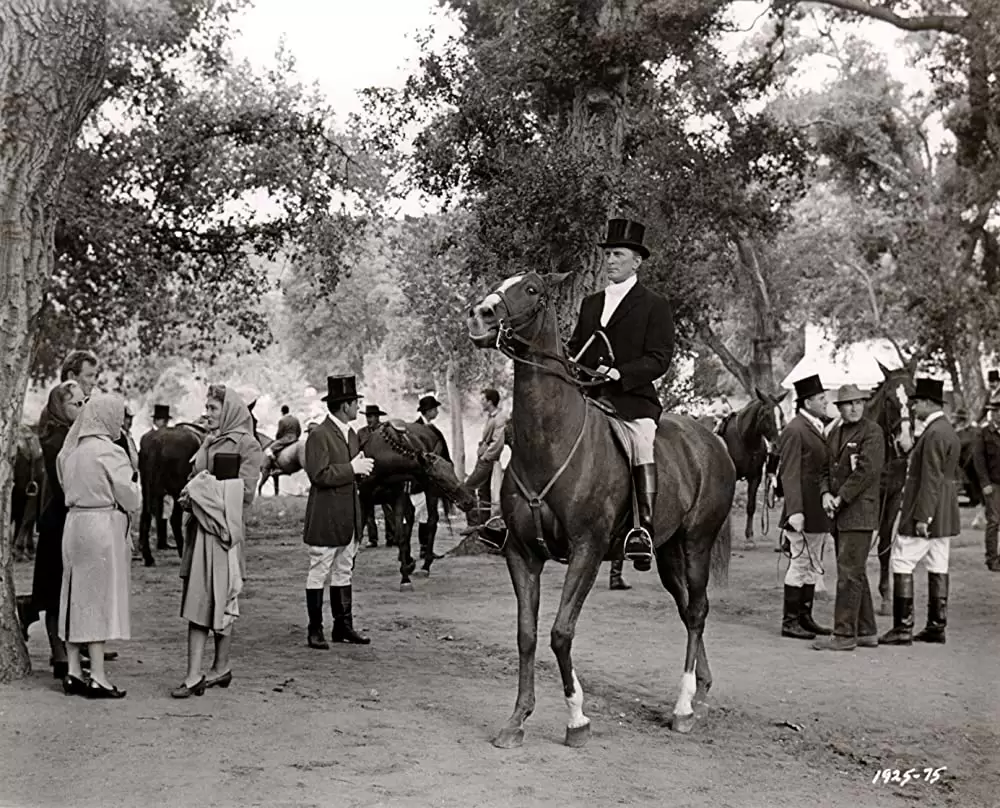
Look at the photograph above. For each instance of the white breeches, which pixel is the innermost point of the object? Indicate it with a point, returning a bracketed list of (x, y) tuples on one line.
[(642, 438), (804, 568), (331, 566), (908, 551)]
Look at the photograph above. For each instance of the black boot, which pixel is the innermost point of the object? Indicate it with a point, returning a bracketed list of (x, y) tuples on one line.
[(790, 625), (937, 608), (314, 606), (639, 541), (901, 632), (616, 581), (341, 607), (429, 556), (422, 539), (806, 612)]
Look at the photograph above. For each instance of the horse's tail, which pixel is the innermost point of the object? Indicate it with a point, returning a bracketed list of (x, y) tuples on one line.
[(721, 553)]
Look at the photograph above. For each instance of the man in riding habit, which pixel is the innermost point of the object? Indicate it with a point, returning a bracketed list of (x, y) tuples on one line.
[(638, 325), (428, 408)]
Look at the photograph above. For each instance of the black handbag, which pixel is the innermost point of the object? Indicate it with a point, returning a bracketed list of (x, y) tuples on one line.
[(226, 466)]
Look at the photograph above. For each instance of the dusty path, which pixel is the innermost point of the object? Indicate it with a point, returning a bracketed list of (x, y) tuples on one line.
[(407, 720)]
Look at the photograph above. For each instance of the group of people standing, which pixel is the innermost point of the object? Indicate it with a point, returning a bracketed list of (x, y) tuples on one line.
[(82, 572), (831, 482)]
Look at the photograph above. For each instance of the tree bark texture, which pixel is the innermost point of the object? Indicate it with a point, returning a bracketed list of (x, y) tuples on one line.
[(52, 62)]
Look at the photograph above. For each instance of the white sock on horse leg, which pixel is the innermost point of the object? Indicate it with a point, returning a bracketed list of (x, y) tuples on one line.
[(574, 704), (688, 688)]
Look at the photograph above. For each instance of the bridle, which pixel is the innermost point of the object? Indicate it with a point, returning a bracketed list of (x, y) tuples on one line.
[(509, 340)]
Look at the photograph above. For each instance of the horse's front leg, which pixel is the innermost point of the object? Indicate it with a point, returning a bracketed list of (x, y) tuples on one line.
[(753, 484), (404, 529), (525, 571), (584, 565)]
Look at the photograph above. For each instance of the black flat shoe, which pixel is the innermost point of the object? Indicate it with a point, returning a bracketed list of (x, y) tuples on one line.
[(73, 686), (184, 691), (220, 681), (60, 670), (96, 691)]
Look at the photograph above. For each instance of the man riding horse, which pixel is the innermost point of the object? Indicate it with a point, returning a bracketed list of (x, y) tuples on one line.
[(626, 332)]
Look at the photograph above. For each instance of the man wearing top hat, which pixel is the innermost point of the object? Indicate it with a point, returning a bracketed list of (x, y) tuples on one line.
[(333, 513), (857, 454), (803, 470), (992, 392), (373, 419), (986, 457), (161, 418), (638, 324), (928, 518), (427, 409)]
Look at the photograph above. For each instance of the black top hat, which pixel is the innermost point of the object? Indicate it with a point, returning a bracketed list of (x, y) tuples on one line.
[(808, 387), (427, 403), (993, 376), (161, 411), (340, 388), (226, 466), (626, 233), (373, 409), (929, 390)]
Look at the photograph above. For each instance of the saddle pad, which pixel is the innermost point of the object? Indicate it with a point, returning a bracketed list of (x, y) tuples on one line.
[(621, 433)]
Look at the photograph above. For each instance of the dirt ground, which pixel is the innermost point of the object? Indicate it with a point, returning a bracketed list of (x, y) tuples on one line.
[(407, 720)]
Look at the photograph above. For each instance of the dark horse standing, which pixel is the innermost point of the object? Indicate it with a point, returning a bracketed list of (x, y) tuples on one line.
[(567, 496), (407, 461), (749, 435)]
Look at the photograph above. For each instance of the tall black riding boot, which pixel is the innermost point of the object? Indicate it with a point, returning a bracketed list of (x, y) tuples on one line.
[(341, 606), (806, 611), (616, 581), (790, 625), (639, 541), (901, 632), (937, 608), (314, 606)]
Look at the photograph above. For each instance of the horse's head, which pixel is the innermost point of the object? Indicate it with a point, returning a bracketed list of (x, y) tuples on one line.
[(889, 407), (769, 419), (513, 314)]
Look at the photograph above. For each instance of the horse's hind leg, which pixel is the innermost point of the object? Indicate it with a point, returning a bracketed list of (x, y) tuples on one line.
[(525, 571), (580, 576), (404, 530)]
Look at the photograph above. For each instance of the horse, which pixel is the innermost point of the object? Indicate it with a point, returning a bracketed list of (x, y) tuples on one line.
[(407, 461), (290, 460), (749, 435), (889, 408), (566, 496), (970, 483), (25, 497), (164, 469)]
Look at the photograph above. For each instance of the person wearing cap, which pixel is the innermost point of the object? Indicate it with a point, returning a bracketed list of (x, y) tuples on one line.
[(289, 432), (638, 325), (803, 471), (334, 519), (986, 457), (373, 419), (928, 518), (161, 418), (857, 455), (428, 408)]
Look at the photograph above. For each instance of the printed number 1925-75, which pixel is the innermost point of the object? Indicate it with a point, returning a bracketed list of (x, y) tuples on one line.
[(928, 775)]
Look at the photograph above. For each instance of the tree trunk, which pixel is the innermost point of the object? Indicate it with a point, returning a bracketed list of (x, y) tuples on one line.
[(52, 62), (754, 277), (454, 396)]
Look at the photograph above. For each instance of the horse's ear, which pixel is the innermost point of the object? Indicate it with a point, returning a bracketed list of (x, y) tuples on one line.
[(554, 279), (781, 398), (911, 365), (884, 369), (762, 396)]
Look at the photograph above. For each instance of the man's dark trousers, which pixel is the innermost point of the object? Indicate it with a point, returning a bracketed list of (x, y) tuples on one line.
[(853, 613)]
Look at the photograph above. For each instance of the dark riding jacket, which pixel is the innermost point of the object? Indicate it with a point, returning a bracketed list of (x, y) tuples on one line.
[(857, 454), (333, 511), (930, 494), (986, 454), (641, 333), (804, 472)]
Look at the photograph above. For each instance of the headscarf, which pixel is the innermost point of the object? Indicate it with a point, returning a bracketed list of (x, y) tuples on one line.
[(102, 417), (58, 416)]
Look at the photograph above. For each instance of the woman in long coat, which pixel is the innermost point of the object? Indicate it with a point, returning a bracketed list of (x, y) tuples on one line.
[(212, 577), (65, 402), (102, 494)]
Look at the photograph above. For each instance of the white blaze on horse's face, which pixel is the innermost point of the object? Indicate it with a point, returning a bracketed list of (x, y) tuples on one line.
[(905, 439), (492, 300)]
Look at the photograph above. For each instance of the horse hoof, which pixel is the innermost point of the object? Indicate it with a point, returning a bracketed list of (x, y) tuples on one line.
[(406, 587), (422, 574), (578, 736), (509, 738), (683, 723)]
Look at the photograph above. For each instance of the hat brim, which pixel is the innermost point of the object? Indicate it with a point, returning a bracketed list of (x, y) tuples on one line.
[(377, 412), (639, 248), (339, 399), (861, 397), (431, 406)]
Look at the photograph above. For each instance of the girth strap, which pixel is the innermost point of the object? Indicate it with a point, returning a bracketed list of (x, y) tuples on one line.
[(535, 501)]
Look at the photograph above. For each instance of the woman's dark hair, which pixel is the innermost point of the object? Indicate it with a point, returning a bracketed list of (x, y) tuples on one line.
[(74, 363), (492, 396), (217, 392)]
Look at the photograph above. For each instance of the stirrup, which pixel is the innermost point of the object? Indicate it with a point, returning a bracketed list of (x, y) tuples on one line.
[(493, 533), (642, 549)]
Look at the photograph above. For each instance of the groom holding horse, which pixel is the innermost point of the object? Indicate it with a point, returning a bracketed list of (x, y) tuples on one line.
[(627, 333)]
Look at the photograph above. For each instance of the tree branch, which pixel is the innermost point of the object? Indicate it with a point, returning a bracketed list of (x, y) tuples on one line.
[(947, 23), (715, 344)]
